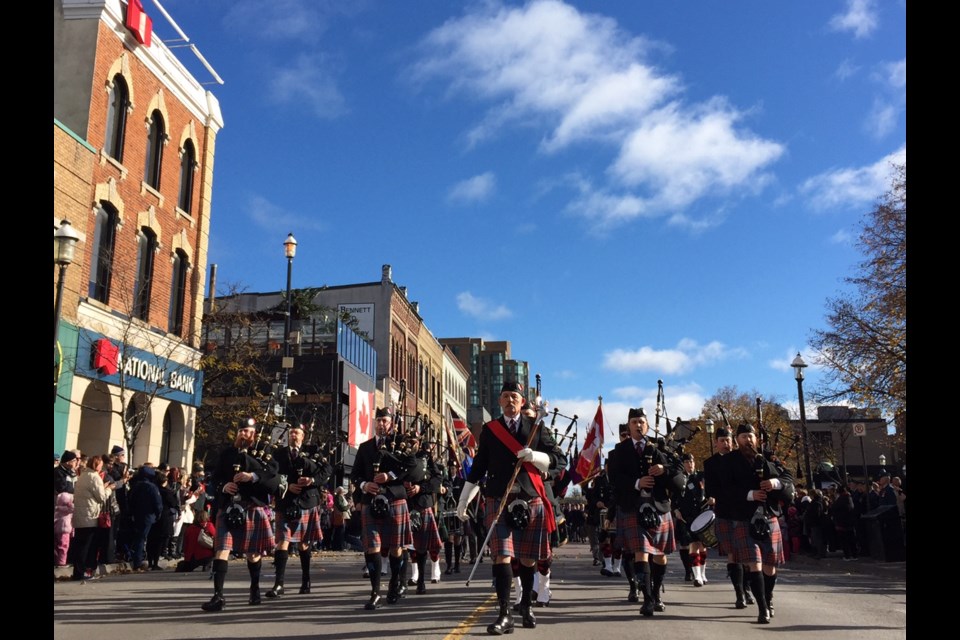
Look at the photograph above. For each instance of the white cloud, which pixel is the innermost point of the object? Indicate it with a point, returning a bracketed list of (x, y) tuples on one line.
[(581, 78), (268, 215), (286, 20), (846, 70), (309, 80), (842, 188), (687, 355), (841, 237), (480, 308), (475, 189), (860, 18), (896, 74), (783, 364), (881, 120)]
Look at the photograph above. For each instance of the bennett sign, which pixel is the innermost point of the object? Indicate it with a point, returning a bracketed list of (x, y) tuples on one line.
[(137, 369)]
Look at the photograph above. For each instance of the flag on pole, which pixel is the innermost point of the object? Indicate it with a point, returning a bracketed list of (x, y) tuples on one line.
[(588, 463), (361, 416)]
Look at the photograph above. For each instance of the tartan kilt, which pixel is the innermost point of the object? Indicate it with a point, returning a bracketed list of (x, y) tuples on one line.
[(306, 529), (659, 541), (744, 549), (532, 543), (723, 529), (255, 538), (427, 537), (391, 532)]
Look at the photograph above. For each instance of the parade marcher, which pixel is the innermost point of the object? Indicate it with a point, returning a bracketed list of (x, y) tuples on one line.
[(243, 483), (422, 484), (303, 471), (688, 507), (627, 556), (723, 442), (644, 482), (453, 545), (524, 529), (379, 470), (752, 487)]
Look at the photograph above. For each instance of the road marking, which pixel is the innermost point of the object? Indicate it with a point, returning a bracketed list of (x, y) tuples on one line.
[(464, 627)]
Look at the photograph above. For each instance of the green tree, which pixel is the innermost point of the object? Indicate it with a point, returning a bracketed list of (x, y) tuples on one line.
[(864, 348)]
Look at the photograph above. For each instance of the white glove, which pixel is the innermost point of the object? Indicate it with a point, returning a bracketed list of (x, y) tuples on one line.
[(541, 460), (469, 492), (525, 454)]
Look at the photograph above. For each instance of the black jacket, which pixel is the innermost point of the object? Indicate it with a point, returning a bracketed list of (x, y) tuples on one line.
[(738, 475), (257, 492), (629, 466), (429, 476), (303, 466), (495, 461), (396, 463)]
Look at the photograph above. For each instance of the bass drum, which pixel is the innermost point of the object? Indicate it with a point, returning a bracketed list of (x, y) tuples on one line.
[(702, 528)]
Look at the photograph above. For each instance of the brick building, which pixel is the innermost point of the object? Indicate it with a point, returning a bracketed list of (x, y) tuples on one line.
[(134, 142)]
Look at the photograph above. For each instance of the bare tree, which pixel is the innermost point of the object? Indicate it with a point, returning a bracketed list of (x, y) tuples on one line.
[(864, 347)]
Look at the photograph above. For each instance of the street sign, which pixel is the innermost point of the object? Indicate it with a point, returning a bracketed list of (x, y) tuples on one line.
[(859, 429)]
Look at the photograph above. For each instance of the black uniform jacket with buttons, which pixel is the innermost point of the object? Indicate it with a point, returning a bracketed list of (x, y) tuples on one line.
[(396, 465), (628, 468), (497, 462), (303, 466), (738, 475), (258, 491)]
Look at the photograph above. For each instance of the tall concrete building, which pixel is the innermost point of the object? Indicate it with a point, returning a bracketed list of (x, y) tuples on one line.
[(134, 142), (489, 365)]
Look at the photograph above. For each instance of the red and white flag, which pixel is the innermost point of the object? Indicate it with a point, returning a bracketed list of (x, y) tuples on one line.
[(361, 416), (589, 461)]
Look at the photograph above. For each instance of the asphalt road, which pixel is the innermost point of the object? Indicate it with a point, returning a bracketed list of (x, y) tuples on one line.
[(814, 599)]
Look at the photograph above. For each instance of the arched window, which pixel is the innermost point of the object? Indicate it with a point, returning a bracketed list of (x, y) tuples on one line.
[(178, 291), (187, 164), (155, 138), (146, 249), (165, 438), (101, 262), (117, 105)]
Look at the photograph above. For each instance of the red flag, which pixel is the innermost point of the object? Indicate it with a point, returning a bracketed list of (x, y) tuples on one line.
[(589, 461), (361, 416)]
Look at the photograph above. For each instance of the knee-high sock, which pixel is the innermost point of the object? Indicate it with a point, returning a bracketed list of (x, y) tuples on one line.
[(421, 568), (448, 553), (502, 579), (374, 566), (396, 568), (526, 584), (254, 569), (219, 575), (685, 559), (305, 564), (629, 569), (769, 582), (280, 558), (657, 572), (643, 579), (736, 577), (759, 592)]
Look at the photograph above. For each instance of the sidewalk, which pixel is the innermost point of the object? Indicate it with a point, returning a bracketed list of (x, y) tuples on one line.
[(834, 562)]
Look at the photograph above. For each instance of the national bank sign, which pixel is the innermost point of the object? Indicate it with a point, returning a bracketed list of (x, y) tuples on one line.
[(100, 358)]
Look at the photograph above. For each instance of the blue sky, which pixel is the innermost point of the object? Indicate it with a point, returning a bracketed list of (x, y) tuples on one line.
[(627, 191)]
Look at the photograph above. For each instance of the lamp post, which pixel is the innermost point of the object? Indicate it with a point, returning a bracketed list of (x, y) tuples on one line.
[(799, 365), (709, 424), (289, 250), (65, 240)]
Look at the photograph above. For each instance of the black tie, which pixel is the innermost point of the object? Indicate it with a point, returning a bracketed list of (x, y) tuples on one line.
[(294, 452), (513, 426)]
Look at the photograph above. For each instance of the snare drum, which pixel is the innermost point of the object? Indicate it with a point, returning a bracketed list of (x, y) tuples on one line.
[(702, 528)]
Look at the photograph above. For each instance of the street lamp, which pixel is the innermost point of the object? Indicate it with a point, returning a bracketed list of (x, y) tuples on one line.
[(65, 240), (709, 424), (799, 365), (883, 462), (289, 250)]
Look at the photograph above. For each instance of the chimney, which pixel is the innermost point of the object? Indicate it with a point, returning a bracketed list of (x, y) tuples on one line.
[(386, 273), (403, 291)]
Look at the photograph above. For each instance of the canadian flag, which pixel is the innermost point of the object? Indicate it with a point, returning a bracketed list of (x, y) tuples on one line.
[(589, 460), (361, 416)]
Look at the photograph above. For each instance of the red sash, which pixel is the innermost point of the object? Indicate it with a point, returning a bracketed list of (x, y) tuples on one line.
[(536, 479)]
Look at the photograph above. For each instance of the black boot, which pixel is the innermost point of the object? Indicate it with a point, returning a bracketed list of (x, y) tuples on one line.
[(374, 602), (657, 572), (633, 596), (254, 569), (374, 562), (529, 620), (757, 586), (396, 580), (280, 561), (643, 582), (305, 555), (687, 566), (216, 603), (769, 582), (504, 623), (735, 573)]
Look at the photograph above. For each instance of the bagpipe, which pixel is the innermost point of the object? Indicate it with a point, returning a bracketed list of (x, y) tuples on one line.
[(671, 444)]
